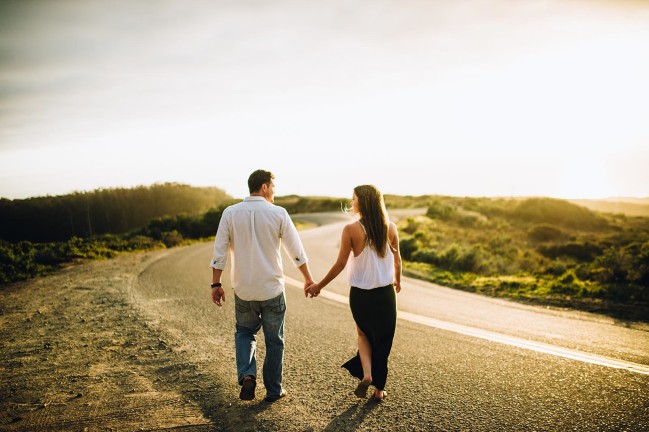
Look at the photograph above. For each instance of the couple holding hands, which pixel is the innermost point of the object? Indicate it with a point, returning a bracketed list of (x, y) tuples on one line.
[(251, 233)]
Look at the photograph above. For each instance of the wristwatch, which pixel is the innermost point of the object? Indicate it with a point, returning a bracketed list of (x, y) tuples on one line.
[(216, 285)]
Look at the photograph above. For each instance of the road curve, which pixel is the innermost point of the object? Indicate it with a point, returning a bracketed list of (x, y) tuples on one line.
[(439, 379)]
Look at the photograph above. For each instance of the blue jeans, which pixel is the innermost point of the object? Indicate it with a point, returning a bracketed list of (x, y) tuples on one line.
[(250, 317)]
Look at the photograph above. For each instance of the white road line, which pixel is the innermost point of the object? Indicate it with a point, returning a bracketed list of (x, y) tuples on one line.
[(498, 337)]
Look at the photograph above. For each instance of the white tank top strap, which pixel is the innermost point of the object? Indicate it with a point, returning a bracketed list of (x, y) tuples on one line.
[(367, 239), (362, 226)]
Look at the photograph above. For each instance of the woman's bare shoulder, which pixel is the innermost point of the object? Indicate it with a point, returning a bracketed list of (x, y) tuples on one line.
[(352, 225), (354, 229), (392, 229)]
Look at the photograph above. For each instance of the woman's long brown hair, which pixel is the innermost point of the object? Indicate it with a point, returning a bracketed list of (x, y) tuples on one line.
[(373, 217)]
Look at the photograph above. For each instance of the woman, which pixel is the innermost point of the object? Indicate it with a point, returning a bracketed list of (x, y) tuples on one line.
[(371, 247)]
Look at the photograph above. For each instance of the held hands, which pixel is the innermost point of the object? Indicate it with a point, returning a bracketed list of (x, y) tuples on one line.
[(307, 284), (312, 290)]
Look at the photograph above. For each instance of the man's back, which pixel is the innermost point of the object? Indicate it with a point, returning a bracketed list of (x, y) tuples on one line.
[(254, 230)]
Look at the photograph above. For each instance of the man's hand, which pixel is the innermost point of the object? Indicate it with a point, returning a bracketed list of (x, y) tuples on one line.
[(218, 296), (397, 286)]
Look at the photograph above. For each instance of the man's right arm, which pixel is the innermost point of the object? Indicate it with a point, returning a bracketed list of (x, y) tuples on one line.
[(218, 293), (219, 258), (221, 243)]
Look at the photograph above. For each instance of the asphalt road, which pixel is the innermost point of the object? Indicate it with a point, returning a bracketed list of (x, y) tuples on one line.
[(459, 362)]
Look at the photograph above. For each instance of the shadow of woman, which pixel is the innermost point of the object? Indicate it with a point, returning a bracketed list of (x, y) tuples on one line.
[(352, 418)]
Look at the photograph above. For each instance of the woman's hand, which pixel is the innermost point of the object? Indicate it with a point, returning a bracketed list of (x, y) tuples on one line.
[(307, 283), (313, 290)]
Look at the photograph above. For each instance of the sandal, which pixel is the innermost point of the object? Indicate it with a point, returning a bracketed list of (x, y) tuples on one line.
[(361, 388)]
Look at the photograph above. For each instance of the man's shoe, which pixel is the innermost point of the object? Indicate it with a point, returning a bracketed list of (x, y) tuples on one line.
[(273, 398), (248, 389)]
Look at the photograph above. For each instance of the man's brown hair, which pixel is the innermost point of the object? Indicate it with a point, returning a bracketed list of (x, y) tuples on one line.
[(259, 178)]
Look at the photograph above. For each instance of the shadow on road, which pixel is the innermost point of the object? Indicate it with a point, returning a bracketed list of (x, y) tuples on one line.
[(352, 418)]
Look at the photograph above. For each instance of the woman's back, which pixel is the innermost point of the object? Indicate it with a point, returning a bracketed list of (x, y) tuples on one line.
[(365, 268)]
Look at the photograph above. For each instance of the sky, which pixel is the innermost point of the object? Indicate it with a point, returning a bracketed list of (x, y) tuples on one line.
[(462, 98)]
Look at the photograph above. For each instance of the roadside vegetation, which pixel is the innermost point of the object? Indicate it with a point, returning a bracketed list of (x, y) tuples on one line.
[(538, 250)]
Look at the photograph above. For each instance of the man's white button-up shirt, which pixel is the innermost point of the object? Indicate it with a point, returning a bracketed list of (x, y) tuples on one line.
[(252, 232)]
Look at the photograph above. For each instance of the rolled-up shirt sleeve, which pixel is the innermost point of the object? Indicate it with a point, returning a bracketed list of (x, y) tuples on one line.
[(291, 242), (221, 243)]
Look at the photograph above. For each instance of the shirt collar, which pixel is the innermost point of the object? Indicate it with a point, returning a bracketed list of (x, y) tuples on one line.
[(254, 198)]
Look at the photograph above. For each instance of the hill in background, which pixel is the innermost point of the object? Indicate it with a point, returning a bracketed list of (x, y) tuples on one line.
[(627, 206)]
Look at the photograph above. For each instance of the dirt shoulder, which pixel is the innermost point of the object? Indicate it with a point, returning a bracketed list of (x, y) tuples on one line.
[(75, 355)]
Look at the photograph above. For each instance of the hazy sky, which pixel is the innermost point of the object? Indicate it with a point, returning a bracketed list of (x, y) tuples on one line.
[(471, 97)]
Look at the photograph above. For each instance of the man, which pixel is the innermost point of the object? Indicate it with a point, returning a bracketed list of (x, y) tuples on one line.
[(252, 232)]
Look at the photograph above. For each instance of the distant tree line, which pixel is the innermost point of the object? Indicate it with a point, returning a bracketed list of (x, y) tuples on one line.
[(24, 259), (88, 214)]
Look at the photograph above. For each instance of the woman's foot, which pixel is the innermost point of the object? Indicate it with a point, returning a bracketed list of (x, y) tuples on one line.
[(361, 388), (380, 395)]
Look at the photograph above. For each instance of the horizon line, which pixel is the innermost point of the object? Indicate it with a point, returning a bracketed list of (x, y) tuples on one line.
[(101, 188)]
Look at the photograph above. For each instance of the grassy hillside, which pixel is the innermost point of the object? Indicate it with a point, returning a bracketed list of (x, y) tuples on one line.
[(538, 249)]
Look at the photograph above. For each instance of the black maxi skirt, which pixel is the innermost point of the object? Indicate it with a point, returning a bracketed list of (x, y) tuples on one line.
[(375, 313)]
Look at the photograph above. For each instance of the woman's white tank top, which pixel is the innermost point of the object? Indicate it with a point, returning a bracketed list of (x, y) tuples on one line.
[(368, 270)]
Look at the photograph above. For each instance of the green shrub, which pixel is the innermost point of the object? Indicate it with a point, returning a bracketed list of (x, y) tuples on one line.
[(426, 255), (583, 251), (171, 238), (440, 210), (407, 246), (545, 232)]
